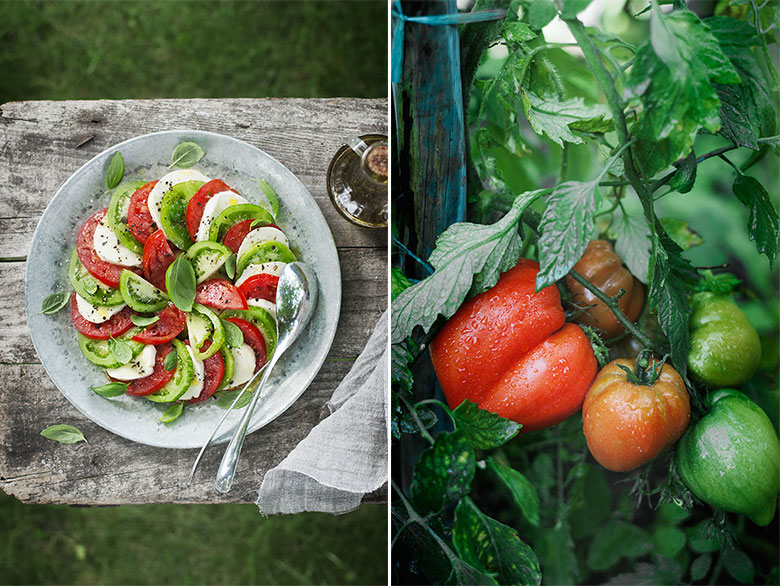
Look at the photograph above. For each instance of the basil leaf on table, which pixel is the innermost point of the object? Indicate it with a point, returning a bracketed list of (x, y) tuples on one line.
[(233, 334), (64, 434), (185, 155), (172, 413), (170, 361), (143, 321), (54, 302), (116, 170), (109, 390), (180, 282)]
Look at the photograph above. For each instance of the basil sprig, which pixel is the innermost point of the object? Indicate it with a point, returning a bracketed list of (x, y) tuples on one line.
[(180, 282), (185, 155), (109, 390), (65, 434), (54, 302), (116, 170)]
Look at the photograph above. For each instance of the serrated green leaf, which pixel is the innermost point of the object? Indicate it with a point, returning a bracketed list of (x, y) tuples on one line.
[(722, 283), (685, 176), (763, 219), (632, 242), (116, 170), (398, 283), (402, 356), (64, 434), (523, 492), (113, 389), (443, 473), (738, 565), (590, 502), (682, 235), (615, 541), (557, 119), (485, 543), (540, 13), (517, 32), (185, 155), (700, 567), (403, 421), (466, 255), (172, 413), (556, 555), (571, 8), (704, 537), (486, 430), (669, 541)]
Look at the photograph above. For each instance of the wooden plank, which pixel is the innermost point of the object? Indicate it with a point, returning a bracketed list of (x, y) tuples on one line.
[(37, 153)]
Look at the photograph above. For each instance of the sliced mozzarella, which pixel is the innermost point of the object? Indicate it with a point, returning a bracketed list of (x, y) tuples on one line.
[(243, 364), (264, 234), (164, 184), (97, 314), (267, 305), (270, 268), (109, 249), (139, 367), (196, 386), (215, 206)]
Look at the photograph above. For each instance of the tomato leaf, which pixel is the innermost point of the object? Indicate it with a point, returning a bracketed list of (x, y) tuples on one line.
[(64, 434), (738, 565), (680, 233), (180, 282), (517, 32), (443, 472), (700, 567), (116, 170), (556, 554), (234, 337), (485, 543), (54, 302), (557, 119), (763, 219), (403, 355), (142, 320), (632, 242), (404, 422), (398, 283), (540, 13), (171, 360), (722, 283), (617, 540), (571, 8), (669, 541), (172, 413), (466, 255), (185, 155), (113, 389), (683, 179), (120, 350), (523, 492), (484, 429)]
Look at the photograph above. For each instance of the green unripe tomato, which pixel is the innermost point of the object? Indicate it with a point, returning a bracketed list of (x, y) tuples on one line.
[(725, 348), (730, 458)]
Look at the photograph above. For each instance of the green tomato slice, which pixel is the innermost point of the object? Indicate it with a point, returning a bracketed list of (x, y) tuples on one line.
[(263, 252), (206, 258), (98, 352), (234, 214), (116, 218), (181, 380), (262, 320), (227, 356), (90, 288), (173, 212), (203, 324), (140, 294)]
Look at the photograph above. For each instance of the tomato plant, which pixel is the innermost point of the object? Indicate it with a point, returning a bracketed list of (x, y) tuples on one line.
[(633, 158)]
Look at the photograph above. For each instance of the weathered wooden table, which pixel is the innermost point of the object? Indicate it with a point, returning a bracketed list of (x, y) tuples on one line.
[(41, 145)]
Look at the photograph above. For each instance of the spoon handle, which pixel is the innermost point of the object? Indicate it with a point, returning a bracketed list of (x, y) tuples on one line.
[(227, 468)]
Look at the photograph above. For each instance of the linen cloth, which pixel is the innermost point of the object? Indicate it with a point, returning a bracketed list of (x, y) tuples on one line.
[(345, 455)]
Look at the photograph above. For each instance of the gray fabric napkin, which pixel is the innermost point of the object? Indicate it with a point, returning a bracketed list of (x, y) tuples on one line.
[(345, 455)]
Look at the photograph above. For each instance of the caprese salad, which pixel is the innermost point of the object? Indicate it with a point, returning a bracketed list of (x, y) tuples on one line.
[(174, 287)]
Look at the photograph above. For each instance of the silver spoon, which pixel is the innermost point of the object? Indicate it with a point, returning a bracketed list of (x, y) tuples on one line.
[(296, 297)]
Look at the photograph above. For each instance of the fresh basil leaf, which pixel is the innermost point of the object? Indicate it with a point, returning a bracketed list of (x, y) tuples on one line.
[(113, 389), (398, 283), (54, 302), (234, 337), (170, 361), (116, 170), (523, 492), (225, 399), (65, 434), (172, 413), (443, 473), (142, 321), (682, 235), (270, 194), (763, 219), (466, 255), (558, 119), (484, 429), (180, 282), (230, 267), (483, 542), (120, 350), (185, 155), (632, 242), (540, 13)]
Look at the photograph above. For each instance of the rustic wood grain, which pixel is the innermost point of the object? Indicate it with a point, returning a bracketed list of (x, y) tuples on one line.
[(39, 150)]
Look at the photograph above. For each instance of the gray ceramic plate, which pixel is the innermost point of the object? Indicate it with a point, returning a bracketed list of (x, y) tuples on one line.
[(146, 157)]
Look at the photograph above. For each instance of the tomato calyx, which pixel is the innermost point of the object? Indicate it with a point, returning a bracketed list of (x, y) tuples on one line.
[(647, 369)]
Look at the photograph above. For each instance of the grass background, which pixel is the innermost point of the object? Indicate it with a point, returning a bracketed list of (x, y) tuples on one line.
[(92, 50)]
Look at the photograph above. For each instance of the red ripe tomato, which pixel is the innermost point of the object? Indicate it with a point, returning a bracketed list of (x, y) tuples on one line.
[(214, 370), (118, 324), (253, 338), (220, 294), (508, 350), (158, 256), (198, 201), (139, 220), (155, 381), (236, 234), (103, 271), (171, 324), (262, 286)]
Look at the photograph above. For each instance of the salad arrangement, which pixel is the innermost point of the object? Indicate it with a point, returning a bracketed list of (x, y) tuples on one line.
[(174, 285)]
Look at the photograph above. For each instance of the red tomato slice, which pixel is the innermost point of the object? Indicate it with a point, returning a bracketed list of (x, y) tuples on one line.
[(171, 324), (103, 271), (214, 370), (262, 286), (139, 220), (158, 256), (236, 234), (253, 338), (155, 381), (118, 324), (198, 201), (220, 294)]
